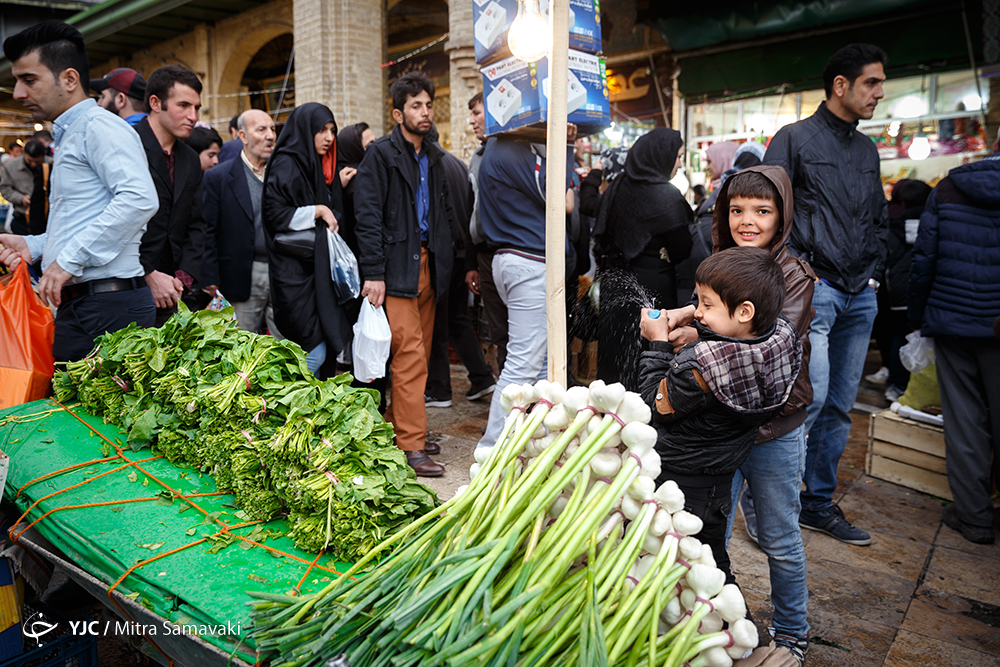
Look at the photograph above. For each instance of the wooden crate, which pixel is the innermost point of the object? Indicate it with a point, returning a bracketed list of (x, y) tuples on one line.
[(908, 453)]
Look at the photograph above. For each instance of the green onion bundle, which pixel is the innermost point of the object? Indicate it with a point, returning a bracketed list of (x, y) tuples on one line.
[(245, 409), (559, 552)]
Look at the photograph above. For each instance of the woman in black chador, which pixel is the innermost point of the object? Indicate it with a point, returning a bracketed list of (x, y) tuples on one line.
[(302, 193), (642, 233)]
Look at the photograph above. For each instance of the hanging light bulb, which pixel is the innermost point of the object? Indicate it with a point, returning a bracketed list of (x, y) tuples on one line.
[(529, 35), (920, 147)]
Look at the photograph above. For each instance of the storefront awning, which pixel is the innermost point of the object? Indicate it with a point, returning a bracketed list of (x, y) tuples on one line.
[(740, 48)]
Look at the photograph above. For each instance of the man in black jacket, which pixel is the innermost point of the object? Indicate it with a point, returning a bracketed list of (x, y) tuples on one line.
[(235, 257), (406, 254), (174, 242), (841, 227)]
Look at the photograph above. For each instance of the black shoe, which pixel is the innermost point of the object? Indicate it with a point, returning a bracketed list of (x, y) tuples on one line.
[(749, 514), (832, 522), (436, 402), (976, 534), (475, 393)]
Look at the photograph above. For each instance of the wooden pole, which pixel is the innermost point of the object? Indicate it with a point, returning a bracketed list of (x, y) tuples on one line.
[(555, 193)]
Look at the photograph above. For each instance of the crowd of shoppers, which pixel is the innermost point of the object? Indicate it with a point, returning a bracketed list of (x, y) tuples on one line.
[(151, 210)]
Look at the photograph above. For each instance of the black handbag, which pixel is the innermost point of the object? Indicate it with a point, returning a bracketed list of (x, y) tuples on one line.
[(300, 244)]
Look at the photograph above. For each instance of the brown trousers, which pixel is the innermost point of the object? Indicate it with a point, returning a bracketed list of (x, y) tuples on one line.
[(411, 321)]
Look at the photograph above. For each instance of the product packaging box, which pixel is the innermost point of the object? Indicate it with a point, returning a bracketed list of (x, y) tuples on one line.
[(492, 18), (517, 92)]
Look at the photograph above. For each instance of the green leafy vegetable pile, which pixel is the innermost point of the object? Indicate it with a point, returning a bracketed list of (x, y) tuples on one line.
[(245, 409)]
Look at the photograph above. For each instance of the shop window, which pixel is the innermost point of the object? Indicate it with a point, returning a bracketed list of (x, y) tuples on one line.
[(956, 91)]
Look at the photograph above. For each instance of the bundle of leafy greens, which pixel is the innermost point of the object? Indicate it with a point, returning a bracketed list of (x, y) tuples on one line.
[(246, 409)]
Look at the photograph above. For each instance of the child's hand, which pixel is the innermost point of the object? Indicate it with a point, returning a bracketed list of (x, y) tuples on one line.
[(654, 329), (678, 317), (682, 336)]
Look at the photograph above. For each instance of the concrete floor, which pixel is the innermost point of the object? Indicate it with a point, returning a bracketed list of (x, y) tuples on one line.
[(920, 595)]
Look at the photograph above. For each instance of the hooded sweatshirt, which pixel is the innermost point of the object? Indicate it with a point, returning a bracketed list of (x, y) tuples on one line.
[(799, 283), (955, 277)]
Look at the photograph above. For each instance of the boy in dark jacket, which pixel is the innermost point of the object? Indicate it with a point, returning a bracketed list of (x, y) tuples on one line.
[(710, 398)]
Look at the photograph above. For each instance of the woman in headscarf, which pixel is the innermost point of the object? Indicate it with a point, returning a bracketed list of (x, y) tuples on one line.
[(351, 144), (719, 158), (642, 232), (301, 194)]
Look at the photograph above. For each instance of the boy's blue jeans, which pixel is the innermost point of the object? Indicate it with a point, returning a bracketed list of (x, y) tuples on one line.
[(841, 330), (774, 473)]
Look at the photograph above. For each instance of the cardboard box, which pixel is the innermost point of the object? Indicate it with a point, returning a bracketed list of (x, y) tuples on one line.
[(516, 94), (492, 18), (908, 453)]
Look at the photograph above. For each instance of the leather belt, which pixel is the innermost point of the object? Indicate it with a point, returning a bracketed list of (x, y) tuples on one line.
[(101, 287), (424, 244)]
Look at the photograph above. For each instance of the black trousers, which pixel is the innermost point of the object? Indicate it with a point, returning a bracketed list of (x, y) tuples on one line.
[(708, 497), (967, 371), (80, 321), (452, 323)]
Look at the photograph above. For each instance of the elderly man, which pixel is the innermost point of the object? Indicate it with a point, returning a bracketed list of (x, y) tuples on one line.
[(24, 181), (235, 255)]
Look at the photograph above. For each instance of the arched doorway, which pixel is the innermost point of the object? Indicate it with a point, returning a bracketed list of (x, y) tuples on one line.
[(256, 55), (270, 72)]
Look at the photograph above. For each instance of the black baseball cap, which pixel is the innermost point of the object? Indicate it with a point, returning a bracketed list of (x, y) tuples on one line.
[(124, 80)]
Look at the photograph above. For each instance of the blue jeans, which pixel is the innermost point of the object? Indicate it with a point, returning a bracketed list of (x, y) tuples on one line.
[(775, 490), (521, 285), (841, 330), (315, 358)]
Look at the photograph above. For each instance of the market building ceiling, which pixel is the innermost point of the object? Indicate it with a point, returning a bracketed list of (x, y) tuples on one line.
[(742, 48), (118, 27)]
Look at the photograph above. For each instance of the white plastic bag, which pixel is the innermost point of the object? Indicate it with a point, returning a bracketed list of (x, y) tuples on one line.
[(372, 337), (343, 268), (918, 352)]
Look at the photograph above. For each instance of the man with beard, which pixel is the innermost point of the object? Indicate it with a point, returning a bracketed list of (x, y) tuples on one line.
[(24, 181), (403, 230), (235, 255), (122, 91), (174, 242)]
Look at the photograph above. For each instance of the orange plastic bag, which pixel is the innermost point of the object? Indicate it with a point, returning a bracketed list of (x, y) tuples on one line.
[(26, 334)]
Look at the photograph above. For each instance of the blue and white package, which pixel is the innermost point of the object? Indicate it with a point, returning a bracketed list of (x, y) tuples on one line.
[(516, 93), (492, 18)]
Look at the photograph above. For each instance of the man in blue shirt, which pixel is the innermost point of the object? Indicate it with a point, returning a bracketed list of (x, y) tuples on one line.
[(406, 254), (122, 91), (102, 197)]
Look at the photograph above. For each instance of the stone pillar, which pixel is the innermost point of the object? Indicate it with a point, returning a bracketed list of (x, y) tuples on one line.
[(339, 50), (465, 80)]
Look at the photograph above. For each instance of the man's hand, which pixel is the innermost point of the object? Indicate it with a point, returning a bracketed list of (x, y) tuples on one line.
[(472, 280), (13, 251), (651, 329), (679, 317), (51, 284), (26, 200), (324, 213), (211, 290), (682, 336), (346, 174), (166, 289), (375, 291), (570, 133)]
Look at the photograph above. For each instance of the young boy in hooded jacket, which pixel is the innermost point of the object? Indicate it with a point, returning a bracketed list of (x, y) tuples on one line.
[(754, 208), (710, 398)]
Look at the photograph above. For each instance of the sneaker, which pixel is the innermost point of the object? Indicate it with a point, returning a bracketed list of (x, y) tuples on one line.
[(475, 394), (976, 534), (749, 514), (436, 402), (892, 393), (881, 376), (797, 647), (832, 522)]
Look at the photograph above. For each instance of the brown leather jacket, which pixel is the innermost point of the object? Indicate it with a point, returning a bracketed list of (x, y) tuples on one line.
[(799, 283)]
